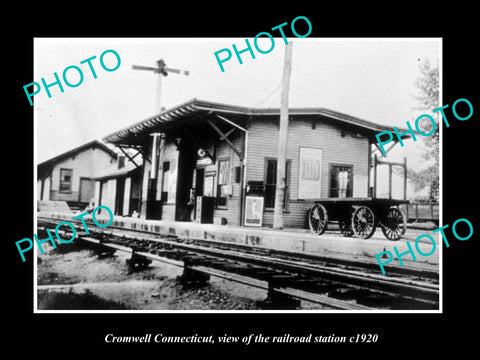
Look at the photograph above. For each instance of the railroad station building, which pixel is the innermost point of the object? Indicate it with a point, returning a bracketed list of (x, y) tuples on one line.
[(216, 163), (119, 186), (70, 176)]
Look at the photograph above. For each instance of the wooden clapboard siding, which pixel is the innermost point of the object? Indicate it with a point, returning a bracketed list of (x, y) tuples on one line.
[(224, 152), (296, 217), (336, 149)]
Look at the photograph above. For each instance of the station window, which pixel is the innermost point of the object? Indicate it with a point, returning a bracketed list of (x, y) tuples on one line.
[(209, 184), (223, 185), (341, 181), (271, 183), (66, 180)]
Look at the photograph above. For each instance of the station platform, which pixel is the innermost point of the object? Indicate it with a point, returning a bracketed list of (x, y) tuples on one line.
[(331, 243)]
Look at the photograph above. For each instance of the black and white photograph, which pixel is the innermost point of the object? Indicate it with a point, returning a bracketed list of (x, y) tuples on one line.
[(176, 148), (197, 180)]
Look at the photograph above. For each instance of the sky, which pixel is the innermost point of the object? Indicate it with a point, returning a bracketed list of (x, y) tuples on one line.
[(368, 78)]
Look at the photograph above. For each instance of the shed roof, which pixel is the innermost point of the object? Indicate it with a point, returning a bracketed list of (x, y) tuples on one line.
[(91, 144), (190, 111), (114, 172)]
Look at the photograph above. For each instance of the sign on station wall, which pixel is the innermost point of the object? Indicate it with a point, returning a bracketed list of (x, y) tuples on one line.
[(253, 210), (310, 173)]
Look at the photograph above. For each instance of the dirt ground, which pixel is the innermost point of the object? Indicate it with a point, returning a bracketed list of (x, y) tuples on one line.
[(73, 277)]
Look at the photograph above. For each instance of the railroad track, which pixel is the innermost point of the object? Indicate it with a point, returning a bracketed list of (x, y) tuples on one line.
[(337, 283)]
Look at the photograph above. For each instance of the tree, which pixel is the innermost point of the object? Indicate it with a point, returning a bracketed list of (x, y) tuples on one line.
[(428, 98)]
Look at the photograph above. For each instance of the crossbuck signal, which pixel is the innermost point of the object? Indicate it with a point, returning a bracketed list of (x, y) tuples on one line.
[(161, 70)]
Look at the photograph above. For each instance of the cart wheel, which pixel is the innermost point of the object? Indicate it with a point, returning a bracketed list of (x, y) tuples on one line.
[(364, 222), (394, 225), (318, 219)]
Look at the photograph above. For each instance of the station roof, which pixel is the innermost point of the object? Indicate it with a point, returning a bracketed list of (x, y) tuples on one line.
[(192, 110)]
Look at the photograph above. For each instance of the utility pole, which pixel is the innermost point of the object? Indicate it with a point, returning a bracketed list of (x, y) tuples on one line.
[(282, 141), (405, 178)]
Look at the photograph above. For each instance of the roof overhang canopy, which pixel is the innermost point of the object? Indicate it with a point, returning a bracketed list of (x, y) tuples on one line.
[(198, 113)]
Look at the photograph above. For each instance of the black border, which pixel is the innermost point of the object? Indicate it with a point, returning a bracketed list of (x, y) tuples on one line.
[(408, 334)]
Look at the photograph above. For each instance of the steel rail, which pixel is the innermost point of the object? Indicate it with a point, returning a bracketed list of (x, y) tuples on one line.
[(413, 270), (424, 291), (295, 265), (245, 280), (407, 289)]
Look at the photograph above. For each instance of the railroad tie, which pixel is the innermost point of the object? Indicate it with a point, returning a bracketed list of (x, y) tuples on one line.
[(282, 280), (192, 277), (138, 262)]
